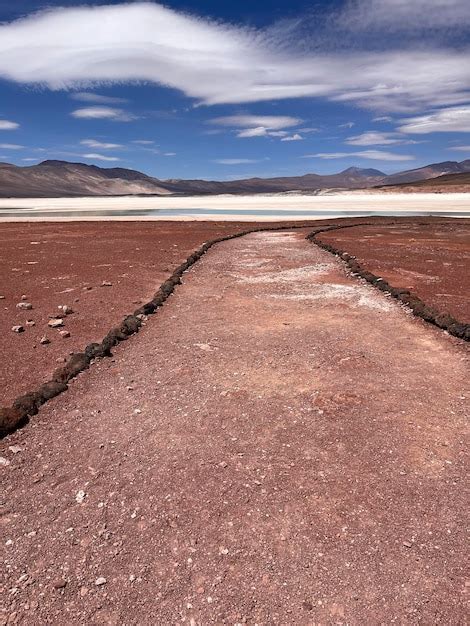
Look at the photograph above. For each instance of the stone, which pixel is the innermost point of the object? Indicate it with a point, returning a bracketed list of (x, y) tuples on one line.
[(66, 309), (44, 341), (2, 297), (24, 306), (64, 334), (30, 323), (101, 580), (56, 322), (18, 329), (80, 497), (15, 449), (407, 544), (106, 283), (60, 583), (4, 462)]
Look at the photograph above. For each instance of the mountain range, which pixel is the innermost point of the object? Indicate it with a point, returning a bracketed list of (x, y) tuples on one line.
[(64, 179)]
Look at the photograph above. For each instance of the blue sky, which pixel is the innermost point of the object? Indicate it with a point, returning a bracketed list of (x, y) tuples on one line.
[(227, 90)]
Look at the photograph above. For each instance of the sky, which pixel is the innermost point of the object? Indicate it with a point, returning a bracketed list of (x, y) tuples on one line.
[(223, 90)]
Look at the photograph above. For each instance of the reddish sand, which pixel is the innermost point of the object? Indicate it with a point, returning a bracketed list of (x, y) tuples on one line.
[(56, 264), (432, 260), (280, 444)]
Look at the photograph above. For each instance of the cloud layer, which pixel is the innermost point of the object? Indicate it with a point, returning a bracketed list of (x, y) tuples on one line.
[(219, 63)]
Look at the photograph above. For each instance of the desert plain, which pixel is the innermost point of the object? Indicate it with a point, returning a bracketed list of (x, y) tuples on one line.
[(280, 442)]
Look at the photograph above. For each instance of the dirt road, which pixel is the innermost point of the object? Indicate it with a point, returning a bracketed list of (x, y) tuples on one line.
[(281, 444)]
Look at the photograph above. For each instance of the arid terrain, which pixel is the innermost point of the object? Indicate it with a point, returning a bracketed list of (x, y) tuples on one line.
[(281, 443), (432, 260)]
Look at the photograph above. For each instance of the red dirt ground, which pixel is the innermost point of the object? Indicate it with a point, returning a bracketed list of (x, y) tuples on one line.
[(280, 444), (54, 264), (65, 263), (432, 260)]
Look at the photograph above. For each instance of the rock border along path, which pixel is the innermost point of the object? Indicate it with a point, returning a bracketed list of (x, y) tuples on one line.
[(283, 445), (28, 404)]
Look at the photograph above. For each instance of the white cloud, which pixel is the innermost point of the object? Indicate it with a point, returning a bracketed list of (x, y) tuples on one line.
[(383, 118), (258, 125), (10, 146), (169, 154), (28, 159), (84, 96), (217, 63), (374, 138), (270, 122), (347, 125), (461, 148), (7, 125), (92, 143), (236, 161), (102, 113), (295, 137), (404, 15), (100, 157), (143, 142), (453, 120), (375, 155)]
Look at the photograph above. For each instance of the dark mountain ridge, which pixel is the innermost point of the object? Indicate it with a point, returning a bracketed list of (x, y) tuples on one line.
[(64, 179)]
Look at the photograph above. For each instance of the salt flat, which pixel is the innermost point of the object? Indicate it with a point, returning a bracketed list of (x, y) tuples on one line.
[(246, 208)]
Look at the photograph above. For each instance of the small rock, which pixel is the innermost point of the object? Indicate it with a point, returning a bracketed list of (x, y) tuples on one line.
[(44, 341), (106, 283), (66, 310), (101, 580), (30, 323), (2, 297), (64, 334), (4, 462), (137, 411), (23, 297), (80, 497), (18, 329), (407, 544), (61, 359), (56, 322), (60, 583), (15, 449), (24, 306)]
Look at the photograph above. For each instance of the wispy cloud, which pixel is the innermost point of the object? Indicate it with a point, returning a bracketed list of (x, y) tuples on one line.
[(10, 146), (7, 125), (347, 125), (375, 155), (295, 137), (383, 118), (100, 157), (461, 148), (100, 145), (375, 138), (404, 15), (258, 125), (103, 113), (271, 122), (143, 142), (451, 120), (216, 63), (85, 96)]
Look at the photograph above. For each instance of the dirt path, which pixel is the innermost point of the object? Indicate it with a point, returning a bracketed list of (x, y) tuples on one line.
[(281, 444)]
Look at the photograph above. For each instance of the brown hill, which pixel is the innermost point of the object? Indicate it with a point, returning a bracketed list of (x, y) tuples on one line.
[(455, 183)]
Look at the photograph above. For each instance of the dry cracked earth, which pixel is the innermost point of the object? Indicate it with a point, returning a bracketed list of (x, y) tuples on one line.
[(280, 444)]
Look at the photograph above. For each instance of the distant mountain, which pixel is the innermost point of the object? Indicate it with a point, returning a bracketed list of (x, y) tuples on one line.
[(51, 179), (63, 179), (440, 184), (429, 171)]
